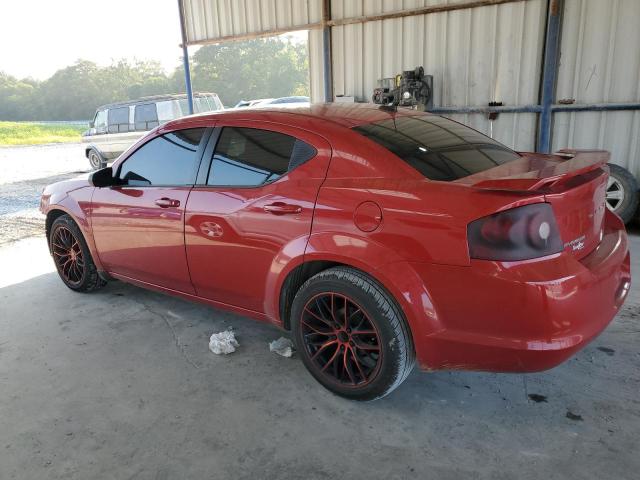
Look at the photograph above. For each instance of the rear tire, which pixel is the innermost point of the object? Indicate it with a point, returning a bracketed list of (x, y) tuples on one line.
[(351, 334), (72, 257), (622, 193)]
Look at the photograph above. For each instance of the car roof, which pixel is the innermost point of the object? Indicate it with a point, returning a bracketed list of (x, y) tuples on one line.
[(345, 114)]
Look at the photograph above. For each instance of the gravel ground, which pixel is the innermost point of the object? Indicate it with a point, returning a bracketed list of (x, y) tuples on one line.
[(24, 172)]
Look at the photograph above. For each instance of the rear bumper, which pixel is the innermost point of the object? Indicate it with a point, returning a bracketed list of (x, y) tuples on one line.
[(523, 316)]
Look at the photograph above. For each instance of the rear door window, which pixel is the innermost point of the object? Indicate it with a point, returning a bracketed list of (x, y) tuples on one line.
[(200, 104), (439, 148), (249, 157), (146, 116), (118, 120), (216, 101), (169, 159)]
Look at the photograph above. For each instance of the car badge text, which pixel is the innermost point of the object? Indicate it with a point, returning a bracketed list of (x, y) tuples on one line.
[(576, 244)]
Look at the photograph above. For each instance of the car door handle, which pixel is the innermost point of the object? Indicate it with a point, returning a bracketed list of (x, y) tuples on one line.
[(281, 208), (165, 202)]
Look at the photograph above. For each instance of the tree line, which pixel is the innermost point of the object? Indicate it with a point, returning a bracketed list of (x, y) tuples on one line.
[(243, 70)]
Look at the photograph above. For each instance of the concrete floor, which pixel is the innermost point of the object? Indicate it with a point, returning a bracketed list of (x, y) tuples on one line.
[(120, 384)]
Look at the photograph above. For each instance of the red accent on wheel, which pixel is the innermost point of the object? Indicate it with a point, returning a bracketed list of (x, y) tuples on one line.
[(67, 255), (341, 340)]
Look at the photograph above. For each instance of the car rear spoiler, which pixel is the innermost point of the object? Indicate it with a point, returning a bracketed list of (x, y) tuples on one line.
[(537, 171)]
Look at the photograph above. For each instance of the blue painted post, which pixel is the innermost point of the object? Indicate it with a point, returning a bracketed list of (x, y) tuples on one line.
[(549, 74), (185, 58)]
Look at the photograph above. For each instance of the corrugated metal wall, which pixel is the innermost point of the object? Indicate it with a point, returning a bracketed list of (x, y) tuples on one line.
[(600, 62), (212, 19), (476, 56)]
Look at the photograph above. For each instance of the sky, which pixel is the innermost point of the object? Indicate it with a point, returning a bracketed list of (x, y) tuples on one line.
[(37, 37)]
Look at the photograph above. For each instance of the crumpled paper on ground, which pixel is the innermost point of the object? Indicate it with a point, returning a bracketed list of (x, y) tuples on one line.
[(282, 346), (223, 343)]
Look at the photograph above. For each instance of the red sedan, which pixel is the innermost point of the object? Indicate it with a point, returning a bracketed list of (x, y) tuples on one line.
[(378, 237)]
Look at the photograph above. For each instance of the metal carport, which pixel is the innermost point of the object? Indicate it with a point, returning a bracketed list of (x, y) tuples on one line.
[(563, 69)]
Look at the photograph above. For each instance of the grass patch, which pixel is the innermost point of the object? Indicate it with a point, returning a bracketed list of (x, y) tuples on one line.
[(25, 133)]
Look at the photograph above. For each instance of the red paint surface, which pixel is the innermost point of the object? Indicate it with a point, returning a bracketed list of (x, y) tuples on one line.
[(222, 246), (140, 239)]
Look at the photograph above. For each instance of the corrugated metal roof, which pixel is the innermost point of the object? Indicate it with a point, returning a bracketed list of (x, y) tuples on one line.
[(208, 20)]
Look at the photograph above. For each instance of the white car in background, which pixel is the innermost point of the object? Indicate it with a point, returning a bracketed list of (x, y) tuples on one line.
[(250, 103), (117, 126), (284, 101), (280, 102)]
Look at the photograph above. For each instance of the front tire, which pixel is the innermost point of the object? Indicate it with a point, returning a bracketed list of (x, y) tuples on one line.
[(351, 334), (72, 257), (95, 159)]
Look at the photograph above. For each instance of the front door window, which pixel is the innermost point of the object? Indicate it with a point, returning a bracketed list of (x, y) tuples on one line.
[(169, 159)]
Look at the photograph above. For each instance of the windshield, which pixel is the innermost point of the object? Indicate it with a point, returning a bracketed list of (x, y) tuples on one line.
[(439, 148)]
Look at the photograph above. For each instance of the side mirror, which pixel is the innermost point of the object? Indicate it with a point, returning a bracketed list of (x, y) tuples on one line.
[(102, 178), (92, 124)]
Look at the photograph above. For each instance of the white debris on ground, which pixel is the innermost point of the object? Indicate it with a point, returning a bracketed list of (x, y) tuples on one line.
[(223, 343), (282, 346)]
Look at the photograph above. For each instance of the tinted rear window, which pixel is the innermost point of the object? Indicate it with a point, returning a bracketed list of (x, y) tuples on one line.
[(440, 149), (250, 157)]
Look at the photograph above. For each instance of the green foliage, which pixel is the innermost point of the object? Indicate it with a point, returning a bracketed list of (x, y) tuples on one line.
[(13, 94), (245, 70), (261, 68), (25, 133)]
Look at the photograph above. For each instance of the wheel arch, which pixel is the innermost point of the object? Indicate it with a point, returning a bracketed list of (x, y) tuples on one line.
[(70, 206), (88, 148), (396, 276), (52, 214), (294, 280)]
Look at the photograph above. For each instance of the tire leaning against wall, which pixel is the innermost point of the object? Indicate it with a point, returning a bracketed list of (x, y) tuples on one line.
[(622, 192)]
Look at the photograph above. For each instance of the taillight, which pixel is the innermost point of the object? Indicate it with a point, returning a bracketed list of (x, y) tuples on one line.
[(516, 234)]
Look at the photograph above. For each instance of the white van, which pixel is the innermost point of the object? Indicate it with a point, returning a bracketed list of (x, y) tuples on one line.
[(116, 126)]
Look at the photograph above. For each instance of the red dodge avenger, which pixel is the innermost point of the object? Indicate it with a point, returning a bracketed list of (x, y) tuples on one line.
[(378, 237)]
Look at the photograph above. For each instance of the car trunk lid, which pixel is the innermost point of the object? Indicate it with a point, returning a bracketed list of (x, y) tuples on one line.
[(572, 181)]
